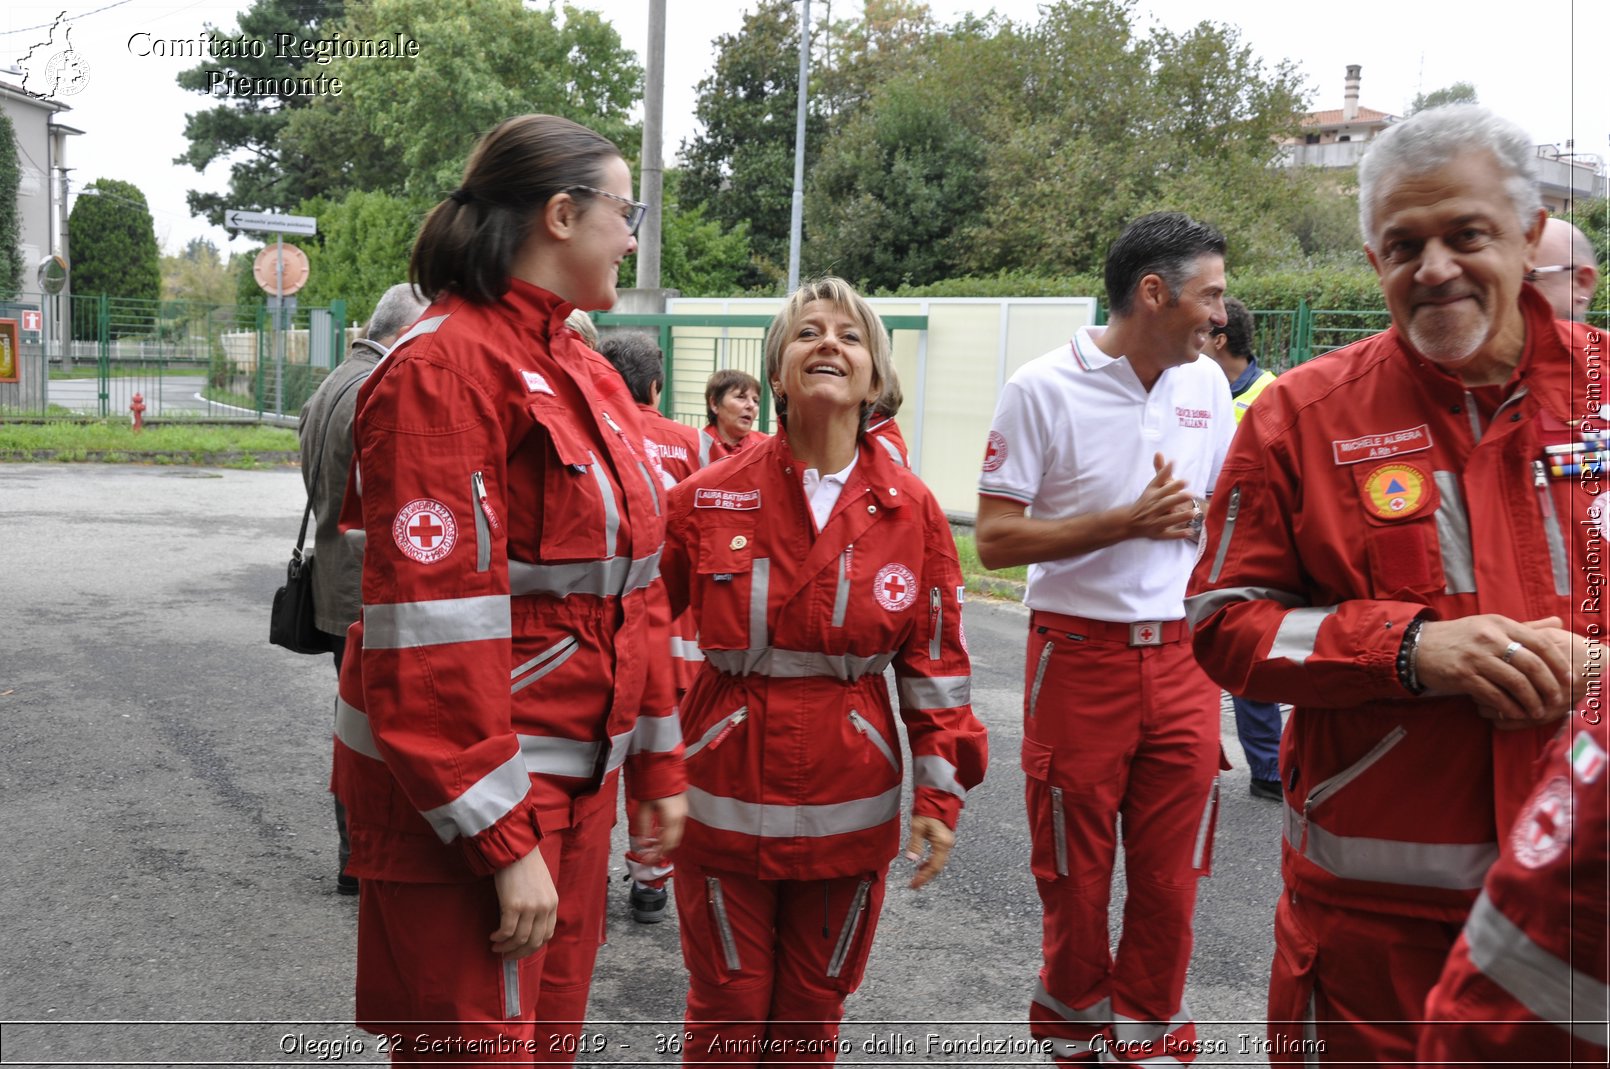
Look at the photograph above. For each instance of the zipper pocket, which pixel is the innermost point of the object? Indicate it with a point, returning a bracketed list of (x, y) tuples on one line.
[(1229, 529), (484, 523), (718, 910), (543, 663), (718, 732), (841, 598), (864, 727), (1059, 829), (1551, 530), (852, 922), (1323, 790), (936, 620), (1039, 676)]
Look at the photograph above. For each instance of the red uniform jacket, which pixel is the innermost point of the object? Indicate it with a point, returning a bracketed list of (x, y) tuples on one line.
[(1526, 983), (793, 750), (674, 445), (886, 432), (1364, 489), (712, 448), (503, 665)]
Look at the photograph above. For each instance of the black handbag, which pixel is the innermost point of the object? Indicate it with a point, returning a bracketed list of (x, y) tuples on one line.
[(290, 620)]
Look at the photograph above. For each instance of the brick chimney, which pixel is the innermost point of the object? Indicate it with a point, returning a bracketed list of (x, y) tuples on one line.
[(1350, 93)]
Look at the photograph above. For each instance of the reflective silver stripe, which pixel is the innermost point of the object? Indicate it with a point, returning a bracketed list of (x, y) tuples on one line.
[(656, 734), (612, 514), (653, 487), (890, 448), (554, 656), (486, 802), (424, 326), (1475, 416), (1208, 602), (1039, 676), (1551, 530), (718, 907), (934, 692), (1059, 830), (548, 755), (1298, 633), (1544, 984), (511, 989), (1095, 1013), (706, 443), (605, 578), (797, 664), (1326, 787), (874, 736), (790, 821), (411, 624), (852, 922), (759, 592), (841, 599), (1455, 866), (1311, 1047), (483, 529), (1133, 1030), (737, 716), (1205, 828), (1453, 535), (352, 728), (936, 619), (685, 649), (1228, 532), (938, 773)]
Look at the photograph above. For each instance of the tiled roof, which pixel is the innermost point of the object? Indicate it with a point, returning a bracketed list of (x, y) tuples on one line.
[(1334, 117)]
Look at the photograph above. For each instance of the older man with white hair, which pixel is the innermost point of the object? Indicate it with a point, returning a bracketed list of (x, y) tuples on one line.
[(1566, 271), (1398, 546)]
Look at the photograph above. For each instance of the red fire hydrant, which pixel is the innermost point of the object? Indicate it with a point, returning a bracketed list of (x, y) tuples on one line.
[(137, 406)]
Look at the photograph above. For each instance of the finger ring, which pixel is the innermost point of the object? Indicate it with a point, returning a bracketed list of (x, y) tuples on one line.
[(1511, 650)]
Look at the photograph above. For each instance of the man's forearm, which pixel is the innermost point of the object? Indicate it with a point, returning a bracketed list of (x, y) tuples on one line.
[(1008, 540)]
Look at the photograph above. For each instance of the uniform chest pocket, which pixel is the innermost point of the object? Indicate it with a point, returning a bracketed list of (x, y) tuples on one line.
[(580, 511), (1413, 530), (732, 587)]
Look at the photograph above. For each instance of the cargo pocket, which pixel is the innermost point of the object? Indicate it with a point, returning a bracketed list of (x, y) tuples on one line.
[(580, 514), (1291, 983), (1048, 814), (852, 943)]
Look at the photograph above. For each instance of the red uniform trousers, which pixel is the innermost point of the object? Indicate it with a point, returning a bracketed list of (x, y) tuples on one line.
[(468, 1004), (770, 962), (1114, 732), (1348, 985)]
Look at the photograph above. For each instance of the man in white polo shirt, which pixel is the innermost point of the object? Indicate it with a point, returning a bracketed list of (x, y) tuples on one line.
[(1098, 456)]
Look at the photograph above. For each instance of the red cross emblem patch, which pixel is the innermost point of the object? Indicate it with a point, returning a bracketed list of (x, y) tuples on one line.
[(995, 451), (425, 530), (1544, 829), (894, 587)]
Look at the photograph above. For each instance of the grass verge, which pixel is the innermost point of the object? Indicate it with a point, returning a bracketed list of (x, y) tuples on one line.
[(1000, 583), (106, 442)]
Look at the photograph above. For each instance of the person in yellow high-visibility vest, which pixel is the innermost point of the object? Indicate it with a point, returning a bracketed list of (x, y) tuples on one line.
[(1257, 723)]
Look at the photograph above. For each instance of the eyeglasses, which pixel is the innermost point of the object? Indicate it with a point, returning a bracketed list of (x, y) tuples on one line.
[(634, 218), (1536, 273)]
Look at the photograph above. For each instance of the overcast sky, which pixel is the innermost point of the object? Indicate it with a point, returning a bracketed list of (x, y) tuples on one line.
[(1542, 66)]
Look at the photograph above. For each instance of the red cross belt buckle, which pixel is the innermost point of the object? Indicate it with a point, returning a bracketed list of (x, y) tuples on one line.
[(1146, 633)]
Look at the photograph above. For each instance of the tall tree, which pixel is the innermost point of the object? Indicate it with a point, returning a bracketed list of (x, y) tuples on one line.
[(361, 249), (246, 129), (114, 242), (11, 265), (740, 166), (406, 126), (1457, 93)]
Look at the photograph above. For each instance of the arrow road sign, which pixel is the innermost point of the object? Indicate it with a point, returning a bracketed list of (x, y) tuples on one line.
[(240, 219)]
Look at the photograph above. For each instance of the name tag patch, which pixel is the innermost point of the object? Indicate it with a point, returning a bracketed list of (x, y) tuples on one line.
[(1377, 446), (535, 383), (734, 500)]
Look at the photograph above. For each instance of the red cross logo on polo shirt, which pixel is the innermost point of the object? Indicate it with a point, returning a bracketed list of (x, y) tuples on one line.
[(424, 531)]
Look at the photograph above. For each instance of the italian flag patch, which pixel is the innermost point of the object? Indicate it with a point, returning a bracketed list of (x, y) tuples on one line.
[(1587, 757)]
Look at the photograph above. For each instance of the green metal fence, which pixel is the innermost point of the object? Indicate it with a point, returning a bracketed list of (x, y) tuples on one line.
[(183, 359)]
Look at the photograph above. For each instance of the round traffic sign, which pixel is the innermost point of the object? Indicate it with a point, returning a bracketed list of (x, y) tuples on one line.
[(268, 272)]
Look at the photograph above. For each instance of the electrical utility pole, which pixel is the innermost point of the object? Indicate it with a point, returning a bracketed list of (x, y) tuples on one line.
[(796, 223), (653, 168)]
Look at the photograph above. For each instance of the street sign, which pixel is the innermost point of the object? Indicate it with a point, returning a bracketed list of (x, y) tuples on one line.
[(240, 219), (32, 321), (280, 269)]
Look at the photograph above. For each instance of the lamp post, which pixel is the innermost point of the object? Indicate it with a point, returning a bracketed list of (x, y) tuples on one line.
[(796, 222)]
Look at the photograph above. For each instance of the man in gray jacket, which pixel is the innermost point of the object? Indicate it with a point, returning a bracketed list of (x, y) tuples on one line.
[(325, 431)]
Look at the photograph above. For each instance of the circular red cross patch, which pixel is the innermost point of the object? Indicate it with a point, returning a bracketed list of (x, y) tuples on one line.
[(995, 451), (894, 587), (425, 530), (1544, 830)]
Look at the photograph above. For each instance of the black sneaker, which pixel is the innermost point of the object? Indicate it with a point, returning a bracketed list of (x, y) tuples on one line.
[(648, 903), (346, 885), (1267, 788)]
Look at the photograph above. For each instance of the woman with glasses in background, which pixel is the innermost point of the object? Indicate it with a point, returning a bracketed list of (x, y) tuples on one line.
[(512, 526)]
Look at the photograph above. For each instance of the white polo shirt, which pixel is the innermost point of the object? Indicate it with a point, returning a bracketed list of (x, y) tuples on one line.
[(1074, 433)]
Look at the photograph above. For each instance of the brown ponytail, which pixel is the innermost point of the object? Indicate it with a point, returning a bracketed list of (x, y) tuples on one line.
[(468, 242)]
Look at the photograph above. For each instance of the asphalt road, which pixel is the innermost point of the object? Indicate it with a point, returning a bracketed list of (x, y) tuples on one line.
[(168, 887)]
